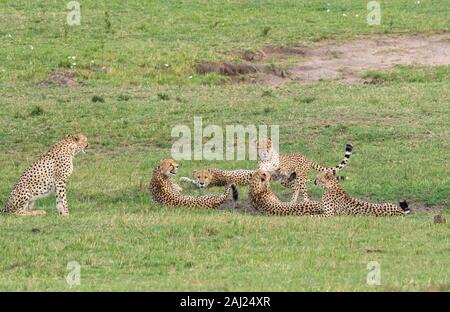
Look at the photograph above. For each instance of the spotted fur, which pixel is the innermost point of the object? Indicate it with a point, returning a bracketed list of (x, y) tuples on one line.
[(166, 192), (47, 175), (293, 168), (335, 201), (211, 177), (264, 200)]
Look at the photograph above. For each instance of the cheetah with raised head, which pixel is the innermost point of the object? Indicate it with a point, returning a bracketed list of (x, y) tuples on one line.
[(211, 177), (47, 175), (264, 200), (166, 192), (293, 168), (335, 201)]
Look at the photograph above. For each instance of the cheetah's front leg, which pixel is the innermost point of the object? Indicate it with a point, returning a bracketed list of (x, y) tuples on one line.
[(177, 188), (186, 179), (294, 196), (61, 198)]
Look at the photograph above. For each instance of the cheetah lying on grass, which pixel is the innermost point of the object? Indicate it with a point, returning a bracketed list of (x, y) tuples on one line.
[(264, 200), (166, 192), (335, 201)]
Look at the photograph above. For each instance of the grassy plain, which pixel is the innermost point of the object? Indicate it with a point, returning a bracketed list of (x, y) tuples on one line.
[(124, 241)]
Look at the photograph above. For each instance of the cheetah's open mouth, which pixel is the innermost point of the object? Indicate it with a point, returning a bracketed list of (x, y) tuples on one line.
[(83, 150)]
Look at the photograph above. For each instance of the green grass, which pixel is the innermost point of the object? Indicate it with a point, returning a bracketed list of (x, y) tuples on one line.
[(135, 41), (124, 241)]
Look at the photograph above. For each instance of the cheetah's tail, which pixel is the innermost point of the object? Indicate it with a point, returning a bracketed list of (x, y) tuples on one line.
[(235, 192), (343, 163), (404, 206)]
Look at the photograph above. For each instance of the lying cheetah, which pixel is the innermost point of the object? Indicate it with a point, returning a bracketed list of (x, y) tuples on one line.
[(264, 200), (166, 192), (335, 201), (293, 168), (217, 177), (45, 176)]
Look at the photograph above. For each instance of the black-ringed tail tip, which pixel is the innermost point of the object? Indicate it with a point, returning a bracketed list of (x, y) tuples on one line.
[(235, 192), (404, 206), (341, 178), (348, 150)]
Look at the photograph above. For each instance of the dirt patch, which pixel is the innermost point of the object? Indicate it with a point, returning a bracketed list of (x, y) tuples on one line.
[(270, 51), (61, 79), (237, 69), (252, 56), (242, 208), (373, 250), (286, 51), (421, 208), (439, 219), (345, 62)]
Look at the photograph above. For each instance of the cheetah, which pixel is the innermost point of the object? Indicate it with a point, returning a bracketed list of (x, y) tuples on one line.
[(335, 201), (264, 200), (211, 177), (293, 168), (47, 175), (166, 192)]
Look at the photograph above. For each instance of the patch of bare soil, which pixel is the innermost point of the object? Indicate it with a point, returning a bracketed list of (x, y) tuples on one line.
[(273, 51), (237, 69), (61, 79), (420, 208), (344, 62), (242, 208)]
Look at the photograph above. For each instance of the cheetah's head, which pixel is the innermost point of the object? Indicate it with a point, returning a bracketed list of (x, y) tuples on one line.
[(78, 142), (260, 181), (202, 178), (326, 179), (168, 167), (264, 147)]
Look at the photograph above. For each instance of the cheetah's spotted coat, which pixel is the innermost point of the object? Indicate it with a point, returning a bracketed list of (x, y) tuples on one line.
[(166, 192), (47, 175)]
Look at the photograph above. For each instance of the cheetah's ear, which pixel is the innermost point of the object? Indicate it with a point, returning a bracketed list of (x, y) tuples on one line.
[(76, 137)]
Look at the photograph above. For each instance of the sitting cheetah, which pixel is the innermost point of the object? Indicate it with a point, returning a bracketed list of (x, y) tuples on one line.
[(217, 177), (264, 200), (45, 176), (293, 168), (166, 192), (335, 201)]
